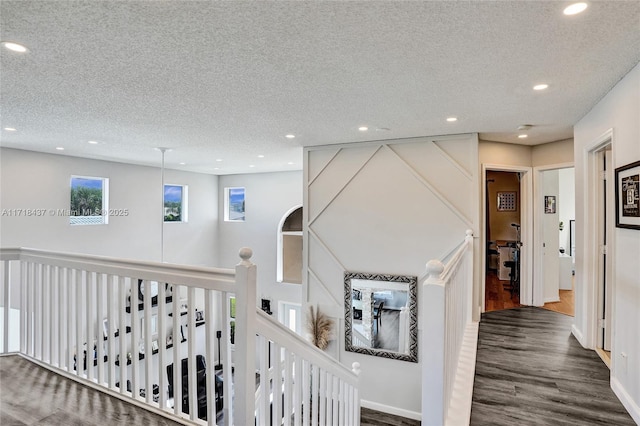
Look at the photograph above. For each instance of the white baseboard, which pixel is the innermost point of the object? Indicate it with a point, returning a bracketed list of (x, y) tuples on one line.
[(391, 410), (578, 335), (551, 300), (625, 398)]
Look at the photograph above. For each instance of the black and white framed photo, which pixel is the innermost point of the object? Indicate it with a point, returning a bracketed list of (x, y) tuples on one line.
[(628, 196), (550, 204)]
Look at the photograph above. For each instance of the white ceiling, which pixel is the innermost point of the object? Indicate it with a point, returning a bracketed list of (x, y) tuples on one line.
[(228, 80)]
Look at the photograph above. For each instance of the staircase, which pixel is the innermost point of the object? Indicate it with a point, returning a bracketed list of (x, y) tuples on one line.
[(117, 325)]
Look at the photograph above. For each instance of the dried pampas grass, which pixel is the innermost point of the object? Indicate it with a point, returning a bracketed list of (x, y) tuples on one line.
[(319, 327)]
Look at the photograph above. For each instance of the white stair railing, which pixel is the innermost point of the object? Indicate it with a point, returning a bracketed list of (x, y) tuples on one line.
[(89, 318), (303, 385), (448, 330)]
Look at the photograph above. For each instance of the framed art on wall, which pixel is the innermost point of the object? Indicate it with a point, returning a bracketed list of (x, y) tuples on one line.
[(507, 201), (549, 204), (628, 196)]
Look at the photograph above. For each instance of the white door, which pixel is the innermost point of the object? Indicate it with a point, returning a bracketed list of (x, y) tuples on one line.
[(551, 236), (605, 230)]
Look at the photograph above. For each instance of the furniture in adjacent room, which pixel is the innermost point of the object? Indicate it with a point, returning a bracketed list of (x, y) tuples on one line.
[(201, 386)]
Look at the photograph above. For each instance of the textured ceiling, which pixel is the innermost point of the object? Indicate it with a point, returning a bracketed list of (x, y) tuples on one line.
[(228, 80)]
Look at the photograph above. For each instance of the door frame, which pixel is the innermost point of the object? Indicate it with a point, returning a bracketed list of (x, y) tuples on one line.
[(591, 257), (538, 216), (526, 235)]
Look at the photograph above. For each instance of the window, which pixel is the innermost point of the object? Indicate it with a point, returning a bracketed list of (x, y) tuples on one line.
[(89, 201), (289, 315), (175, 203), (234, 204)]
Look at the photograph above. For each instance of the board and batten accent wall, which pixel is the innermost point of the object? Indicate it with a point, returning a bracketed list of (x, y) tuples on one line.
[(384, 207)]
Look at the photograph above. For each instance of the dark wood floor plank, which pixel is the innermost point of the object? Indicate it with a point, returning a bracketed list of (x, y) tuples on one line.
[(32, 395), (370, 417), (531, 370)]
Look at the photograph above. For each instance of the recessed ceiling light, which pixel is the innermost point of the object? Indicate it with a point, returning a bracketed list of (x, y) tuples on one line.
[(218, 159), (452, 119), (260, 156), (15, 47), (363, 128), (183, 164), (93, 142), (290, 163), (251, 165), (59, 148), (540, 86), (289, 136), (575, 8), (523, 136), (10, 129), (216, 168)]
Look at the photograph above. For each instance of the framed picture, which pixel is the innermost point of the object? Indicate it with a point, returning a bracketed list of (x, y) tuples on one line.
[(154, 346), (628, 196), (507, 201), (550, 204)]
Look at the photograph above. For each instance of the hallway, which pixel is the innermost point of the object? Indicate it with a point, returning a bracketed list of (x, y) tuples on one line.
[(531, 370)]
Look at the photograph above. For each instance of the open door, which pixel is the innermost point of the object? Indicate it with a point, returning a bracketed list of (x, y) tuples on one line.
[(605, 231)]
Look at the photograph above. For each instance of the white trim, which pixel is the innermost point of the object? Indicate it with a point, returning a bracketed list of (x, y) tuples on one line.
[(589, 232), (526, 222), (538, 257), (390, 410), (578, 335), (626, 400)]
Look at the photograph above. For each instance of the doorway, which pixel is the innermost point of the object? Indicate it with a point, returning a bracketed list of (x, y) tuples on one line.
[(605, 231), (524, 202), (599, 255), (504, 242), (554, 258)]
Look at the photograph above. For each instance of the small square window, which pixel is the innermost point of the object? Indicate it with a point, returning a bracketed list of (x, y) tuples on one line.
[(175, 203), (89, 201), (234, 204)]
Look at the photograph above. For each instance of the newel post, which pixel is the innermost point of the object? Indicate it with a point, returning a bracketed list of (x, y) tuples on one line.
[(433, 345), (245, 341)]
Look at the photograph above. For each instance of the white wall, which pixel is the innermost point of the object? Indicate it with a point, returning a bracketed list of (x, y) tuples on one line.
[(268, 196), (30, 180), (552, 153), (385, 208), (618, 110)]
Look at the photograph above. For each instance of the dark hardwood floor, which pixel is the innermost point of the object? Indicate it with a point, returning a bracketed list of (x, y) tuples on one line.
[(531, 370), (376, 418), (32, 395), (497, 294)]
